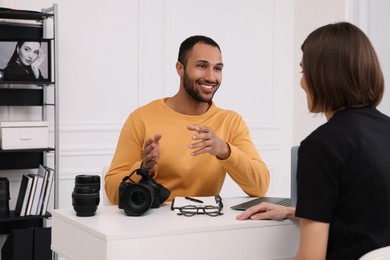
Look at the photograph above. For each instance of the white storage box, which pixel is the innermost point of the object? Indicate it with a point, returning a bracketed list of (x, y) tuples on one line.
[(24, 135)]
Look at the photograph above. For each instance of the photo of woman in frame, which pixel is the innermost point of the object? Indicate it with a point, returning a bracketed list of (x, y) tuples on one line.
[(26, 62)]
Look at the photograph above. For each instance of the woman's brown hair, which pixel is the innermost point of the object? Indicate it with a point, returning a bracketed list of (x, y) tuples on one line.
[(341, 68)]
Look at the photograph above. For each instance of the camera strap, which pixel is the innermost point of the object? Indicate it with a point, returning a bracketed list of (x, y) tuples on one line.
[(128, 177)]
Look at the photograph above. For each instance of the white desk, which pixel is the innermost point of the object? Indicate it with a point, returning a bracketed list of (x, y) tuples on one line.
[(161, 234)]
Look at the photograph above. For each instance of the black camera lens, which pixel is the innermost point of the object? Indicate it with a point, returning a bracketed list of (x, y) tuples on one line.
[(136, 199), (85, 195), (91, 182), (4, 197)]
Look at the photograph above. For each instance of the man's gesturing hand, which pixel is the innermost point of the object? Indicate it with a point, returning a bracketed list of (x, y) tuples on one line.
[(209, 142), (151, 154)]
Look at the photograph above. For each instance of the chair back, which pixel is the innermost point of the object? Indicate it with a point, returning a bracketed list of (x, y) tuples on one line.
[(105, 200), (382, 253)]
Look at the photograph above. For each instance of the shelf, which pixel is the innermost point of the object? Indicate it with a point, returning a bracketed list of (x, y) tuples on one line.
[(30, 98), (8, 13), (22, 159), (35, 83), (21, 97), (48, 149), (14, 222)]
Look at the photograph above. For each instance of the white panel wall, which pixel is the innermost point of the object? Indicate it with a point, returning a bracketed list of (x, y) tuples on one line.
[(377, 22)]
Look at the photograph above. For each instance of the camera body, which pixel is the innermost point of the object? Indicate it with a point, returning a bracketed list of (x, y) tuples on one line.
[(137, 198)]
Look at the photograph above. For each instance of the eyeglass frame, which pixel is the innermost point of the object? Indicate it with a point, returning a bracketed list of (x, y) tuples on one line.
[(196, 209)]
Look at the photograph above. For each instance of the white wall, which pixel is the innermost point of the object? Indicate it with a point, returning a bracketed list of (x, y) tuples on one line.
[(116, 56), (371, 16), (309, 15), (376, 24)]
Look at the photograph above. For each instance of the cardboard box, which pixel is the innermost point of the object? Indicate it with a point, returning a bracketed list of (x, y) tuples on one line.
[(24, 135)]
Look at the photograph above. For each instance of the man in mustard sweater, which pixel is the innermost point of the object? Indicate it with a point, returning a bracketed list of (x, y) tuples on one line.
[(185, 142)]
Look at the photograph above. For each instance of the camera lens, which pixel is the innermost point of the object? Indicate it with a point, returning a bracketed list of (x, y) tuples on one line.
[(85, 195), (4, 197), (136, 199), (91, 182)]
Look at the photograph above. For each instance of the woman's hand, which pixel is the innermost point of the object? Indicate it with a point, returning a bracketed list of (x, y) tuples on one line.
[(266, 210)]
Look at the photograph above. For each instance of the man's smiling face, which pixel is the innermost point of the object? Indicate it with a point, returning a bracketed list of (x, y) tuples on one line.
[(203, 72)]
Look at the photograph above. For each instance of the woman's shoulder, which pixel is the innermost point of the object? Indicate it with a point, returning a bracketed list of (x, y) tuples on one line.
[(350, 124)]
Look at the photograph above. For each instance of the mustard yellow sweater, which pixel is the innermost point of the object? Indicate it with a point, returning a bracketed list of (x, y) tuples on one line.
[(179, 171)]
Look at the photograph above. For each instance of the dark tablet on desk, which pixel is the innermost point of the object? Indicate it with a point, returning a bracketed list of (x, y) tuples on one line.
[(274, 200)]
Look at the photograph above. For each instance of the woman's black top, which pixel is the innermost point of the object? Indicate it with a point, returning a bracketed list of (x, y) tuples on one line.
[(343, 179)]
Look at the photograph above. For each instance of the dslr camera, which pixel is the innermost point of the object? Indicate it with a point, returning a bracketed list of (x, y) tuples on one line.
[(137, 198)]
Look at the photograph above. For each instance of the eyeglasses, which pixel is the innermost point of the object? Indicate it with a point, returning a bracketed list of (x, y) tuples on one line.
[(191, 210)]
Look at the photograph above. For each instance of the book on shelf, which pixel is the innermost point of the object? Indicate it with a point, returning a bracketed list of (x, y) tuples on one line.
[(36, 194), (27, 196), (47, 192), (32, 193), (42, 171), (23, 196)]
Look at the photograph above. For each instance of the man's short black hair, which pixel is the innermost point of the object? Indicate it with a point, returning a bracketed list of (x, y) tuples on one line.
[(187, 45)]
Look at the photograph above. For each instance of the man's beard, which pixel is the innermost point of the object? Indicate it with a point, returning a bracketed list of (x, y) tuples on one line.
[(189, 86)]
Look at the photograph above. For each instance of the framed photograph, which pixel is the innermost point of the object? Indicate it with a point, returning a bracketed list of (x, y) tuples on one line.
[(25, 61)]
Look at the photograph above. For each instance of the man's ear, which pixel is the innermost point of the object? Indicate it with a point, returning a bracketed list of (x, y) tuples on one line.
[(180, 69)]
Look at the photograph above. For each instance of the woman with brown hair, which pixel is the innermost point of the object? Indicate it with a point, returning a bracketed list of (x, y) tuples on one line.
[(343, 175)]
